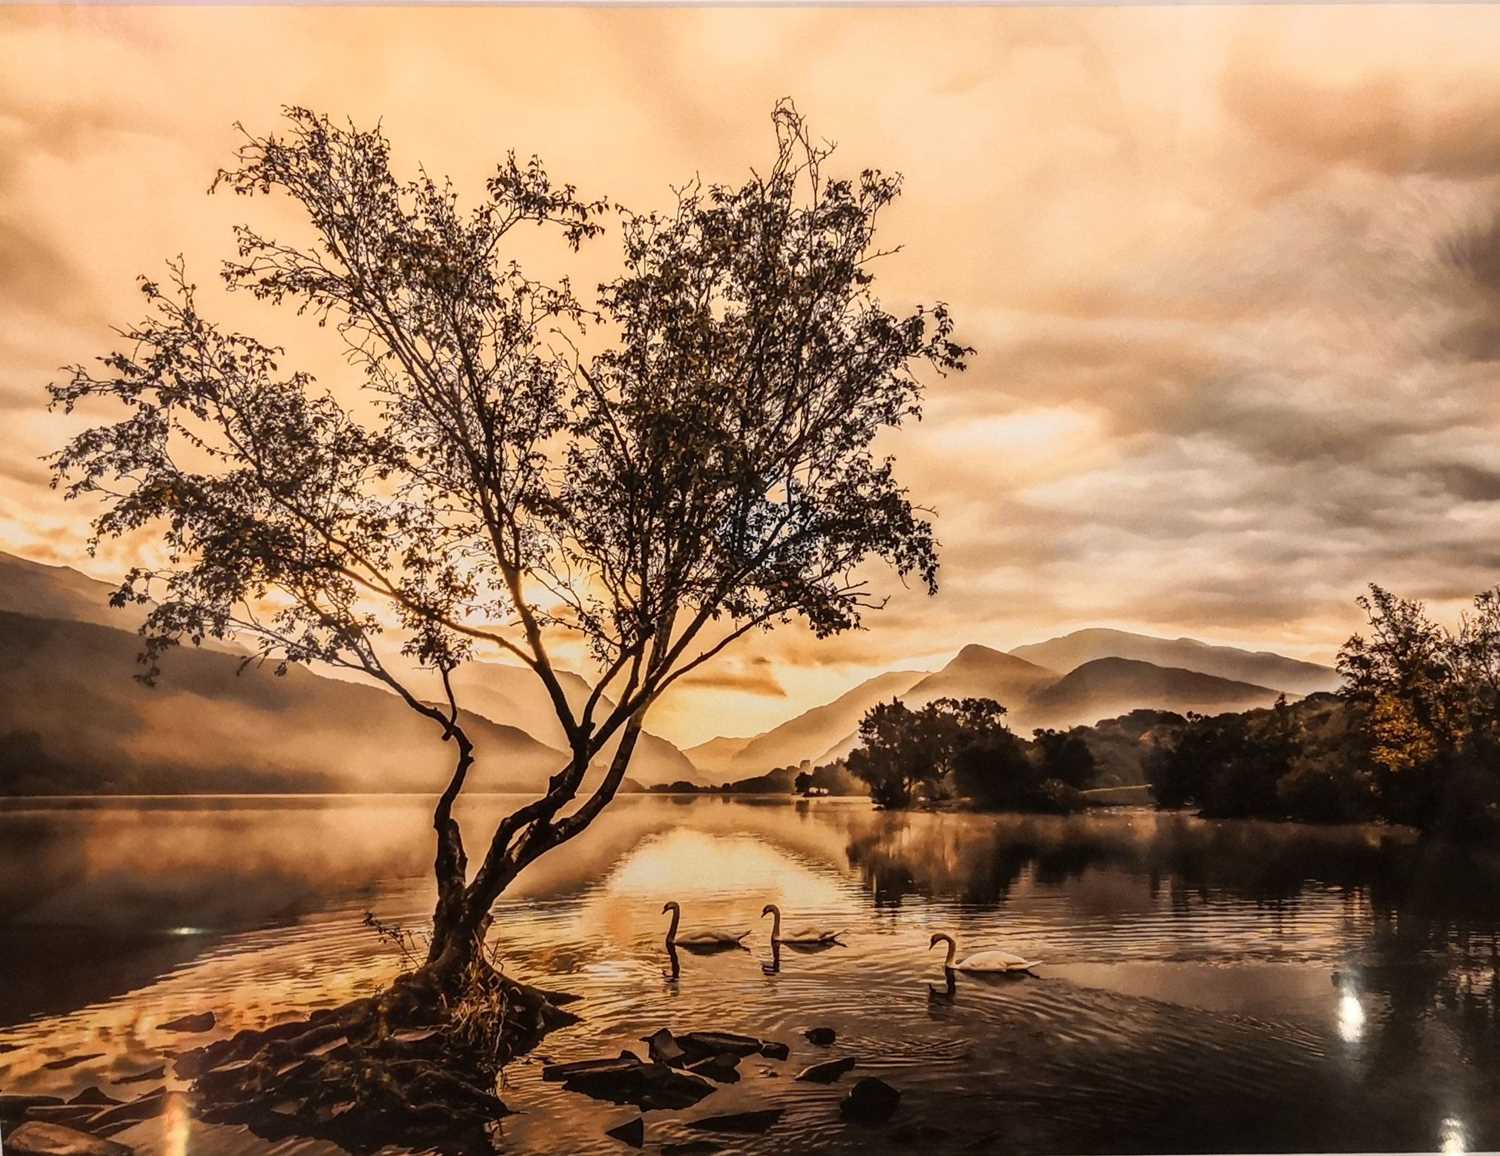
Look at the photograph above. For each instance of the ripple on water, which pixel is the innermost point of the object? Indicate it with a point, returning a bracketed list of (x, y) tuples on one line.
[(1190, 1000)]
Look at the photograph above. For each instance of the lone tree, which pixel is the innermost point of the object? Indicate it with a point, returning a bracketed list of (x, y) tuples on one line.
[(704, 471)]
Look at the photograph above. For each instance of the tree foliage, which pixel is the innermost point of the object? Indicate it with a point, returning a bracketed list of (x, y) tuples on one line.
[(704, 471), (964, 746)]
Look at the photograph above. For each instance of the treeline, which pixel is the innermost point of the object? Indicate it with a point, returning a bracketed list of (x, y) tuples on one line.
[(1413, 736), (956, 748)]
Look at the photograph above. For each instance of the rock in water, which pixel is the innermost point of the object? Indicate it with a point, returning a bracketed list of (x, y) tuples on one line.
[(141, 1077), (147, 1107), (665, 1049), (202, 1022), (14, 1105), (820, 1036), (69, 1061), (748, 1123), (712, 1043), (93, 1094), (632, 1132), (828, 1071), (870, 1101), (773, 1050), (39, 1139), (723, 1068)]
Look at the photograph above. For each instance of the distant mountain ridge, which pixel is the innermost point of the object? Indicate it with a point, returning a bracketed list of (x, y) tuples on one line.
[(1261, 668), (1108, 687), (504, 696), (74, 720)]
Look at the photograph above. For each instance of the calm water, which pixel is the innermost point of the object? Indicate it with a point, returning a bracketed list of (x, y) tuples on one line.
[(1206, 986)]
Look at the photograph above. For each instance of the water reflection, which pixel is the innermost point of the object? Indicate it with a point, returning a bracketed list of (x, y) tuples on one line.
[(1209, 986)]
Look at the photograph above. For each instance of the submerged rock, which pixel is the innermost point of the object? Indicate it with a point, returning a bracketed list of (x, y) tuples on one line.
[(70, 1061), (155, 1073), (823, 1037), (13, 1105), (748, 1123), (870, 1101), (42, 1139), (712, 1043), (628, 1079), (202, 1022), (93, 1094), (665, 1049), (723, 1068), (146, 1107), (632, 1132), (62, 1113), (828, 1071)]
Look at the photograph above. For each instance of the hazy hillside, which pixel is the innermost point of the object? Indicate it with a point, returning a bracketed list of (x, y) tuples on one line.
[(28, 587), (1108, 687), (974, 672), (514, 695), (980, 672), (1260, 668), (73, 719), (716, 756), (811, 733), (506, 695)]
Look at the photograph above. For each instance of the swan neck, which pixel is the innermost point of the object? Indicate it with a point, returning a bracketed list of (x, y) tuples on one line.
[(672, 931), (775, 923), (952, 951)]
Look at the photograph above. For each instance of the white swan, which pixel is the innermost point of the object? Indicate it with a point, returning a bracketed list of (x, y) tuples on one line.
[(982, 962), (804, 936), (710, 940)]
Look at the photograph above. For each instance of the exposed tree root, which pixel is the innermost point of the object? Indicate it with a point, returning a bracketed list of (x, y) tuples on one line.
[(416, 1065)]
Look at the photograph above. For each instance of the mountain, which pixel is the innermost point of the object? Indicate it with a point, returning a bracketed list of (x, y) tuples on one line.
[(974, 672), (514, 695), (507, 695), (980, 672), (74, 720), (811, 733), (28, 587), (1108, 687), (1258, 667), (716, 756)]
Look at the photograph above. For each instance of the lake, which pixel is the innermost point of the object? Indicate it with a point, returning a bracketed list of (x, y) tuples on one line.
[(1205, 986)]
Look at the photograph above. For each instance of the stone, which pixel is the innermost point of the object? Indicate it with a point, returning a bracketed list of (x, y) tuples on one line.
[(632, 1132), (628, 1080), (712, 1043), (155, 1073), (724, 1068), (828, 1071), (665, 1049), (62, 1113), (70, 1061), (93, 1094), (202, 1022), (146, 1107), (870, 1101), (36, 1138), (14, 1105), (747, 1123), (823, 1037), (774, 1050)]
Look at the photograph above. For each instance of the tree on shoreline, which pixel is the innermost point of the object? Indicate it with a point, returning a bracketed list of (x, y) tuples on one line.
[(707, 472)]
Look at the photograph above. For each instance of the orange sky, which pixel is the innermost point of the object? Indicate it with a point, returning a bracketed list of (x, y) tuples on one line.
[(1233, 274)]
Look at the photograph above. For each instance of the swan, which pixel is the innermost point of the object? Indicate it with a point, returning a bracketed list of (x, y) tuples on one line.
[(711, 940), (982, 962), (804, 936)]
